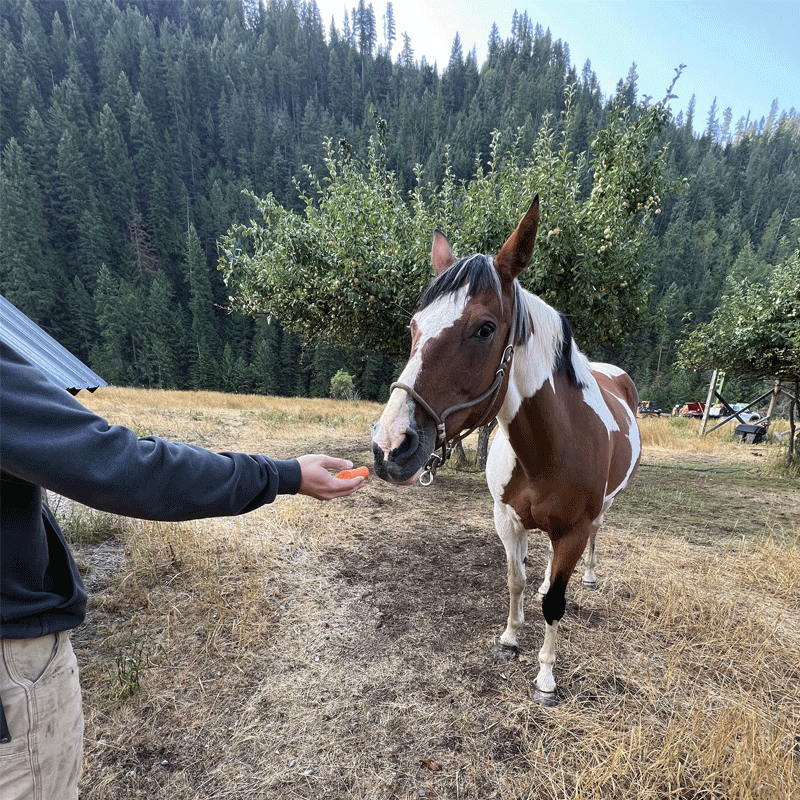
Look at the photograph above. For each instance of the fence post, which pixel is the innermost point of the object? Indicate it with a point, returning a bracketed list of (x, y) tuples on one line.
[(775, 394), (709, 400)]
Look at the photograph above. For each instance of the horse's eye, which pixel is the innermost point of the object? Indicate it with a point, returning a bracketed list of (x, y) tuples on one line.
[(485, 332)]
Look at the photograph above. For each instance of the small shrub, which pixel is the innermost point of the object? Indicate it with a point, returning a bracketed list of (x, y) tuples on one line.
[(343, 386)]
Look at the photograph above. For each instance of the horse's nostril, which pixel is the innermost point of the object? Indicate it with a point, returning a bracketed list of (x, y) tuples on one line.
[(407, 448)]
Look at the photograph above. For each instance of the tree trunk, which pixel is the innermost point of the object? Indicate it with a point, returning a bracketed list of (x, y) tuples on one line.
[(458, 459), (794, 405), (483, 443)]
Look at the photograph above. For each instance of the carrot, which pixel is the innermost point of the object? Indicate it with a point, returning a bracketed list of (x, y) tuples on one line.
[(347, 474)]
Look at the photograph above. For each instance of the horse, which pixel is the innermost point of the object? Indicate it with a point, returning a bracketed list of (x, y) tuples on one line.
[(567, 442)]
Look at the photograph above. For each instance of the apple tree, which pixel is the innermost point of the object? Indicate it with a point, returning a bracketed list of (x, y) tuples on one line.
[(352, 264)]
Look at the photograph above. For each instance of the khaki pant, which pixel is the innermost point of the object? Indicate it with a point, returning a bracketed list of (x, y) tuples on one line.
[(42, 701)]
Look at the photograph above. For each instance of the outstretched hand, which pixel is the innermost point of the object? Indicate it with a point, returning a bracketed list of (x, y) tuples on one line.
[(318, 482)]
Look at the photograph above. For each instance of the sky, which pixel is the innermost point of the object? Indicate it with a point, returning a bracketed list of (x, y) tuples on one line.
[(744, 54)]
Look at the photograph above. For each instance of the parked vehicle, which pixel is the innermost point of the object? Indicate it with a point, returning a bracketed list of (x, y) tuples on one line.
[(649, 408), (748, 416), (720, 411), (693, 410)]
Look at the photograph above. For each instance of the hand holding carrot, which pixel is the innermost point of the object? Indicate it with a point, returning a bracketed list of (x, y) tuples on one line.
[(317, 481)]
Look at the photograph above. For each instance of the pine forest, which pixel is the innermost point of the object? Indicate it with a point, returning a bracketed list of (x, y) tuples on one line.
[(135, 134)]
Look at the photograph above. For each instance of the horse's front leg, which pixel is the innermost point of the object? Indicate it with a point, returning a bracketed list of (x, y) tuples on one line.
[(567, 550), (547, 573), (515, 541)]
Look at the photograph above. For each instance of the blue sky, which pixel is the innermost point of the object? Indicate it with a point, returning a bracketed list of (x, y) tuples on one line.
[(746, 54)]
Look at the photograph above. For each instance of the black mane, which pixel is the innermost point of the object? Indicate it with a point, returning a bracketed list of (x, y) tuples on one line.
[(476, 271), (564, 355)]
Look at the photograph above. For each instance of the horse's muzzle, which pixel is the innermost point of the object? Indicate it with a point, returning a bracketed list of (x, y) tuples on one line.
[(404, 463)]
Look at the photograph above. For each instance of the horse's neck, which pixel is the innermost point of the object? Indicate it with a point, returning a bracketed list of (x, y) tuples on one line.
[(534, 361), (536, 410)]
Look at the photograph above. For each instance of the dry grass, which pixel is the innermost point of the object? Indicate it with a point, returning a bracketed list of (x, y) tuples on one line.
[(341, 650), (250, 423), (681, 434)]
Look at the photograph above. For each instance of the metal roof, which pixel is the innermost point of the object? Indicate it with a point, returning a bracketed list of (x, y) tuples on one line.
[(41, 349)]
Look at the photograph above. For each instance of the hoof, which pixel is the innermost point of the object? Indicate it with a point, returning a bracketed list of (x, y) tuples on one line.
[(505, 652), (590, 585), (541, 698)]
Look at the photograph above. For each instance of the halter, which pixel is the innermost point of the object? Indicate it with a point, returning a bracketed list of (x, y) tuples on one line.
[(436, 460)]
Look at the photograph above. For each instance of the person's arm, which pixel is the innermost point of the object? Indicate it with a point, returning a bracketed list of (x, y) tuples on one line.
[(48, 438)]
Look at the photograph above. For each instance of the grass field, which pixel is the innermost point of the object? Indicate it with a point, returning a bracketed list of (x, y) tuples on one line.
[(341, 650)]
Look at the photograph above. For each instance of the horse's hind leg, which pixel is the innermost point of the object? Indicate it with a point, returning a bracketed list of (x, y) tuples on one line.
[(589, 579), (547, 573), (515, 542)]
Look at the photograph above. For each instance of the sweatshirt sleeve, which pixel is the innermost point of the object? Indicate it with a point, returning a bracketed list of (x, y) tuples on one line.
[(49, 439)]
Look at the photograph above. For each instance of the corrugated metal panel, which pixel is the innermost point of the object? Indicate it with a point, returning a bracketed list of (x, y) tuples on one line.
[(41, 349)]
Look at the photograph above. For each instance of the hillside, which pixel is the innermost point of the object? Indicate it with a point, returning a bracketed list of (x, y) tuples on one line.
[(129, 131)]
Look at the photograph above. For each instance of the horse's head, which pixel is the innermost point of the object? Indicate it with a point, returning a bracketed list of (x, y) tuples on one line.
[(461, 335)]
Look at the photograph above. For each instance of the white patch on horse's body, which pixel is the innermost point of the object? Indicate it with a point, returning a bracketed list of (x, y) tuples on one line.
[(633, 434), (593, 398), (535, 360)]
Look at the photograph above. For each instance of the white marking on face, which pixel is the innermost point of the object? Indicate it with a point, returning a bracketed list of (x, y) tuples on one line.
[(429, 323)]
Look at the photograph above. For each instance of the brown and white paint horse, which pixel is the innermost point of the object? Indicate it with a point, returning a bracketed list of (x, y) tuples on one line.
[(567, 443)]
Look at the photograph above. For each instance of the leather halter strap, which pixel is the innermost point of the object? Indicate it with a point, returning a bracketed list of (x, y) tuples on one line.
[(446, 446)]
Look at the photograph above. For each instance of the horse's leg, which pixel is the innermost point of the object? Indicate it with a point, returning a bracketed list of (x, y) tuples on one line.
[(589, 579), (515, 542), (547, 573), (567, 550)]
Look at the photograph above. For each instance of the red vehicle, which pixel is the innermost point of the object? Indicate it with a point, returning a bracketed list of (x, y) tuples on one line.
[(694, 410)]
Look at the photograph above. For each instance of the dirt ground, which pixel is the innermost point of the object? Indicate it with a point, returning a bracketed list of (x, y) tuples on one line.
[(342, 651)]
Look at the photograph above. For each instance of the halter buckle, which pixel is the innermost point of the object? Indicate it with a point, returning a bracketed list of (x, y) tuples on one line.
[(433, 463)]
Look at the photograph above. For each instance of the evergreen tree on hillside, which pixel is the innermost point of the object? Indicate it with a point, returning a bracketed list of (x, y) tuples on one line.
[(205, 346), (25, 268), (265, 367), (166, 335)]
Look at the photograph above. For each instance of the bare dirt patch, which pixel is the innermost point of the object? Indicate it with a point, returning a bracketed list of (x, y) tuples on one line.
[(342, 650)]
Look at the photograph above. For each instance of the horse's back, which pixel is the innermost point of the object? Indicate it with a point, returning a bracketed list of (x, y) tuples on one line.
[(616, 380)]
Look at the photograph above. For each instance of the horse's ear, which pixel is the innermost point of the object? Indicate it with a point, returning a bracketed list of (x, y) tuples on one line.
[(441, 252), (515, 254)]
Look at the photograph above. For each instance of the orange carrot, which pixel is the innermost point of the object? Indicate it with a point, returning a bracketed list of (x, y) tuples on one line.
[(347, 474)]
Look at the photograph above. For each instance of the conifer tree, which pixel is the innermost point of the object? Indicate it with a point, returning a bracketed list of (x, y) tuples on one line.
[(264, 364), (83, 320), (25, 269), (205, 349), (165, 334)]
